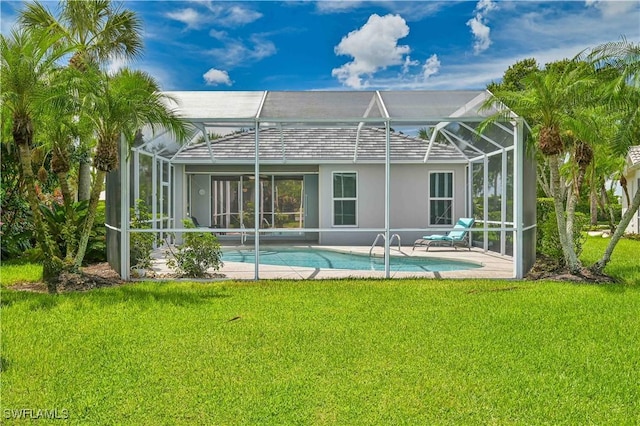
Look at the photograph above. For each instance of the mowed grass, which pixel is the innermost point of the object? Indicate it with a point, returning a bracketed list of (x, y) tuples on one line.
[(14, 272), (327, 352), (625, 261)]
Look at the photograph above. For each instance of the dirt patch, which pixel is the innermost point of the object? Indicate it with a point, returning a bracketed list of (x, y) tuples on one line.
[(547, 268), (93, 276)]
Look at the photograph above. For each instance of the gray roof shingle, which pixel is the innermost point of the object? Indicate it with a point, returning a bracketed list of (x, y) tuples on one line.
[(634, 154), (320, 144)]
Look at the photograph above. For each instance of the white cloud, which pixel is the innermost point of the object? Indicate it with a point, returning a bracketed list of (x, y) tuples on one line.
[(218, 35), (224, 15), (236, 52), (373, 47), (479, 28), (190, 17), (337, 6), (408, 63), (213, 77), (430, 67), (116, 64), (237, 15), (610, 8)]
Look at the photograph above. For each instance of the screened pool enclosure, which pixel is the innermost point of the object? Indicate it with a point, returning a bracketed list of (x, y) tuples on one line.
[(329, 169)]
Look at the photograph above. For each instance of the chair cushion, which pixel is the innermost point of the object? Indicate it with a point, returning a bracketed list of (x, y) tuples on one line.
[(436, 237), (457, 235), (466, 222)]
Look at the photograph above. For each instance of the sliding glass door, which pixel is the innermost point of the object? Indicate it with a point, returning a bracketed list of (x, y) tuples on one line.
[(281, 204)]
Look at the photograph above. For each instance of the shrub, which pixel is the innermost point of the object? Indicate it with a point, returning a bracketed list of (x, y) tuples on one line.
[(141, 243), (64, 228), (198, 252), (549, 238), (97, 247)]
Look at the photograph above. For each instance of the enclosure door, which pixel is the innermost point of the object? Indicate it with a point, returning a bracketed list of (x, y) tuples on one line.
[(311, 205), (225, 196)]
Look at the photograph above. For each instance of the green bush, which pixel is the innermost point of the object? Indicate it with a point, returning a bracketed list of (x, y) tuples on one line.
[(140, 243), (198, 252), (97, 246), (544, 209), (61, 230), (548, 238)]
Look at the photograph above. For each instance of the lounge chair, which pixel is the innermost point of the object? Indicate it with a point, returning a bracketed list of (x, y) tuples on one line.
[(459, 236)]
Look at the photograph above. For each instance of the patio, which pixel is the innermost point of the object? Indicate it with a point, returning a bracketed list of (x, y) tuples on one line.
[(491, 265)]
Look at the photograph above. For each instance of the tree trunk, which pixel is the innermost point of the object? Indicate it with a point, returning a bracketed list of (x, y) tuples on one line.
[(22, 135), (84, 180), (599, 266), (568, 251), (593, 207), (70, 216), (60, 166), (91, 215), (543, 181), (607, 207), (572, 203)]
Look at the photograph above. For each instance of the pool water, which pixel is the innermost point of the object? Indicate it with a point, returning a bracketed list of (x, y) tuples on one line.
[(328, 259)]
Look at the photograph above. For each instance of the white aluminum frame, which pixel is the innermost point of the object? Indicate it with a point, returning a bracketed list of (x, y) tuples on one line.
[(258, 121)]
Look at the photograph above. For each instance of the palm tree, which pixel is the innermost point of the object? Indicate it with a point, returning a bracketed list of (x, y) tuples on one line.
[(622, 97), (28, 66), (549, 101), (99, 31), (118, 106), (59, 126)]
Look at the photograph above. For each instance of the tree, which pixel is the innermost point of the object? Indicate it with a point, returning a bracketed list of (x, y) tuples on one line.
[(99, 31), (28, 66), (118, 106), (513, 79), (550, 101), (622, 97)]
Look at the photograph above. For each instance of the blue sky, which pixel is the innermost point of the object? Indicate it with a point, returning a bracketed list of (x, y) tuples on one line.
[(304, 45)]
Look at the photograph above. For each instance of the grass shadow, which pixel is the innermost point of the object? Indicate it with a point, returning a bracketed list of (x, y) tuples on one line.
[(145, 294), (142, 294)]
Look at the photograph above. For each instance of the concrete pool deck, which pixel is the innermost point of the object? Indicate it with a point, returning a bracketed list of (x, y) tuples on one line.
[(493, 265)]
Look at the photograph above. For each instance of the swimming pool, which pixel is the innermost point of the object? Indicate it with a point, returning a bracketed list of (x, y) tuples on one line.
[(329, 259)]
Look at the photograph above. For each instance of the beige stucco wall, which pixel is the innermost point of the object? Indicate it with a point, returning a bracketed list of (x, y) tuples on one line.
[(633, 185), (408, 206)]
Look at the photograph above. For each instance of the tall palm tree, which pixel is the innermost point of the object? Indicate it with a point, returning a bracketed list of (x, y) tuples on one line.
[(59, 126), (622, 97), (28, 66), (117, 106), (100, 31), (549, 102)]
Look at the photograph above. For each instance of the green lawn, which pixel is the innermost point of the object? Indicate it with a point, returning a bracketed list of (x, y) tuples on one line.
[(328, 352)]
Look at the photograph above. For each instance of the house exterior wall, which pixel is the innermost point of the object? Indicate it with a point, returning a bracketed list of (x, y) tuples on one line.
[(201, 199), (633, 185), (409, 187)]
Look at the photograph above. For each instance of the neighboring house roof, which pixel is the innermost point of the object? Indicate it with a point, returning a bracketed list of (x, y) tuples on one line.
[(319, 145), (634, 155)]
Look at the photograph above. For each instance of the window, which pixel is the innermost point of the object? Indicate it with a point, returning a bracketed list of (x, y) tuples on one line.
[(344, 198), (440, 198)]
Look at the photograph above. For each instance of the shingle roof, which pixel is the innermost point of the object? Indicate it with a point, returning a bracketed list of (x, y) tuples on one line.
[(317, 144), (634, 155)]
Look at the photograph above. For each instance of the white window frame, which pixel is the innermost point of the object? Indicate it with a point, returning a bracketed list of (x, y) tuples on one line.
[(452, 198), (334, 199)]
